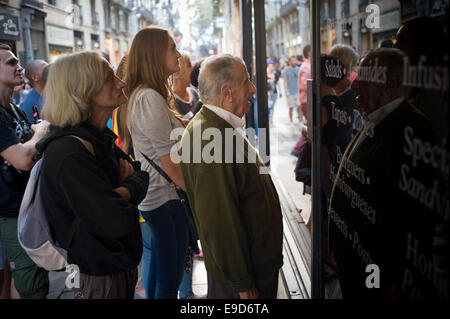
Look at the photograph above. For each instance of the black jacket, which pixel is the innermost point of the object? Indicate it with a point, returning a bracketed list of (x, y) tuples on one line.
[(74, 183), (12, 181)]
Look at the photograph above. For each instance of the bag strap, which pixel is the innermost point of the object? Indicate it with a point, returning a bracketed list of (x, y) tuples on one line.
[(86, 144), (158, 169)]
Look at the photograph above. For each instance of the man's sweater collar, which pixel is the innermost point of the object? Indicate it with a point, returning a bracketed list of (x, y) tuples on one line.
[(230, 118)]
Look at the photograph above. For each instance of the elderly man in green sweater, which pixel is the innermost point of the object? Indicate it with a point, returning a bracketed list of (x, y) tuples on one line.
[(235, 205)]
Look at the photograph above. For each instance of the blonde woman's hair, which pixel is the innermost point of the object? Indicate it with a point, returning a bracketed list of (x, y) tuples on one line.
[(146, 68), (72, 81)]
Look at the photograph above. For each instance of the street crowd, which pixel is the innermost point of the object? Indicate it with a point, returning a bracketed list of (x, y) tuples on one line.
[(113, 196)]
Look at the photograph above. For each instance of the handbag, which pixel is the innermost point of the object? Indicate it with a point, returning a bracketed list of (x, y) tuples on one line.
[(193, 234)]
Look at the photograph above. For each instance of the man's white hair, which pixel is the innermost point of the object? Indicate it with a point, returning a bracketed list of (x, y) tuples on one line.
[(215, 72)]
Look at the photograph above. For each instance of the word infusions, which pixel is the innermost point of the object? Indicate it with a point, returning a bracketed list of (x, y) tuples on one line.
[(425, 76)]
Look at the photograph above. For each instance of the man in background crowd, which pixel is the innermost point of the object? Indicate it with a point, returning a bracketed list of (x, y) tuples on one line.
[(32, 105)]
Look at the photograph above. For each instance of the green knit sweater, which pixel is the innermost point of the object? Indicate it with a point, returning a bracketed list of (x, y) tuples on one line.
[(236, 209)]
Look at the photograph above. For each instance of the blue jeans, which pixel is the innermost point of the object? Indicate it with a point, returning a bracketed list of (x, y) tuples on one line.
[(185, 288), (168, 244), (146, 256)]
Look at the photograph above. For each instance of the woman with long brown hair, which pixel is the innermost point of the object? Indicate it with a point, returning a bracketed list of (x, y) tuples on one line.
[(152, 59)]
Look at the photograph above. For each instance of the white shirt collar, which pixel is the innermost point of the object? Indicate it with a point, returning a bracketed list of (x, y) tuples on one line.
[(232, 119)]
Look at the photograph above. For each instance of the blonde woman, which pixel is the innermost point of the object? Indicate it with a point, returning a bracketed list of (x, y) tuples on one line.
[(152, 59), (92, 190)]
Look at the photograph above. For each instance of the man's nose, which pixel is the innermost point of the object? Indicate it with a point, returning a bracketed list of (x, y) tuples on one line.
[(253, 88)]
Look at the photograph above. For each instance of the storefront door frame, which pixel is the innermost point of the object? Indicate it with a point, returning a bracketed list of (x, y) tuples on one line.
[(317, 284)]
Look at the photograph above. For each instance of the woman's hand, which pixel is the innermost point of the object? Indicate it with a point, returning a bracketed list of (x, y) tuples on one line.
[(125, 170), (133, 183), (123, 191)]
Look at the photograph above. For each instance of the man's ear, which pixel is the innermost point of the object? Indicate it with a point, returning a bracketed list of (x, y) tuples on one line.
[(35, 78), (225, 91)]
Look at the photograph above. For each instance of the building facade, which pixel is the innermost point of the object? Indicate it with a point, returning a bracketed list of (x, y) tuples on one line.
[(231, 33), (60, 34), (288, 27), (22, 24), (10, 26), (363, 24), (46, 29)]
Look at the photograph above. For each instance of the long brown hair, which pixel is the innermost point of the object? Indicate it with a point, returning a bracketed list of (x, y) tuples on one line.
[(146, 68), (122, 68)]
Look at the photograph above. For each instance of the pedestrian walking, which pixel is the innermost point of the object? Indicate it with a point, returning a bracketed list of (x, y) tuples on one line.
[(271, 88), (303, 75), (290, 75)]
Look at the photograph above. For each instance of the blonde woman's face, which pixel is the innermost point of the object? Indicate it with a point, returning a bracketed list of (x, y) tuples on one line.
[(172, 56), (111, 94)]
